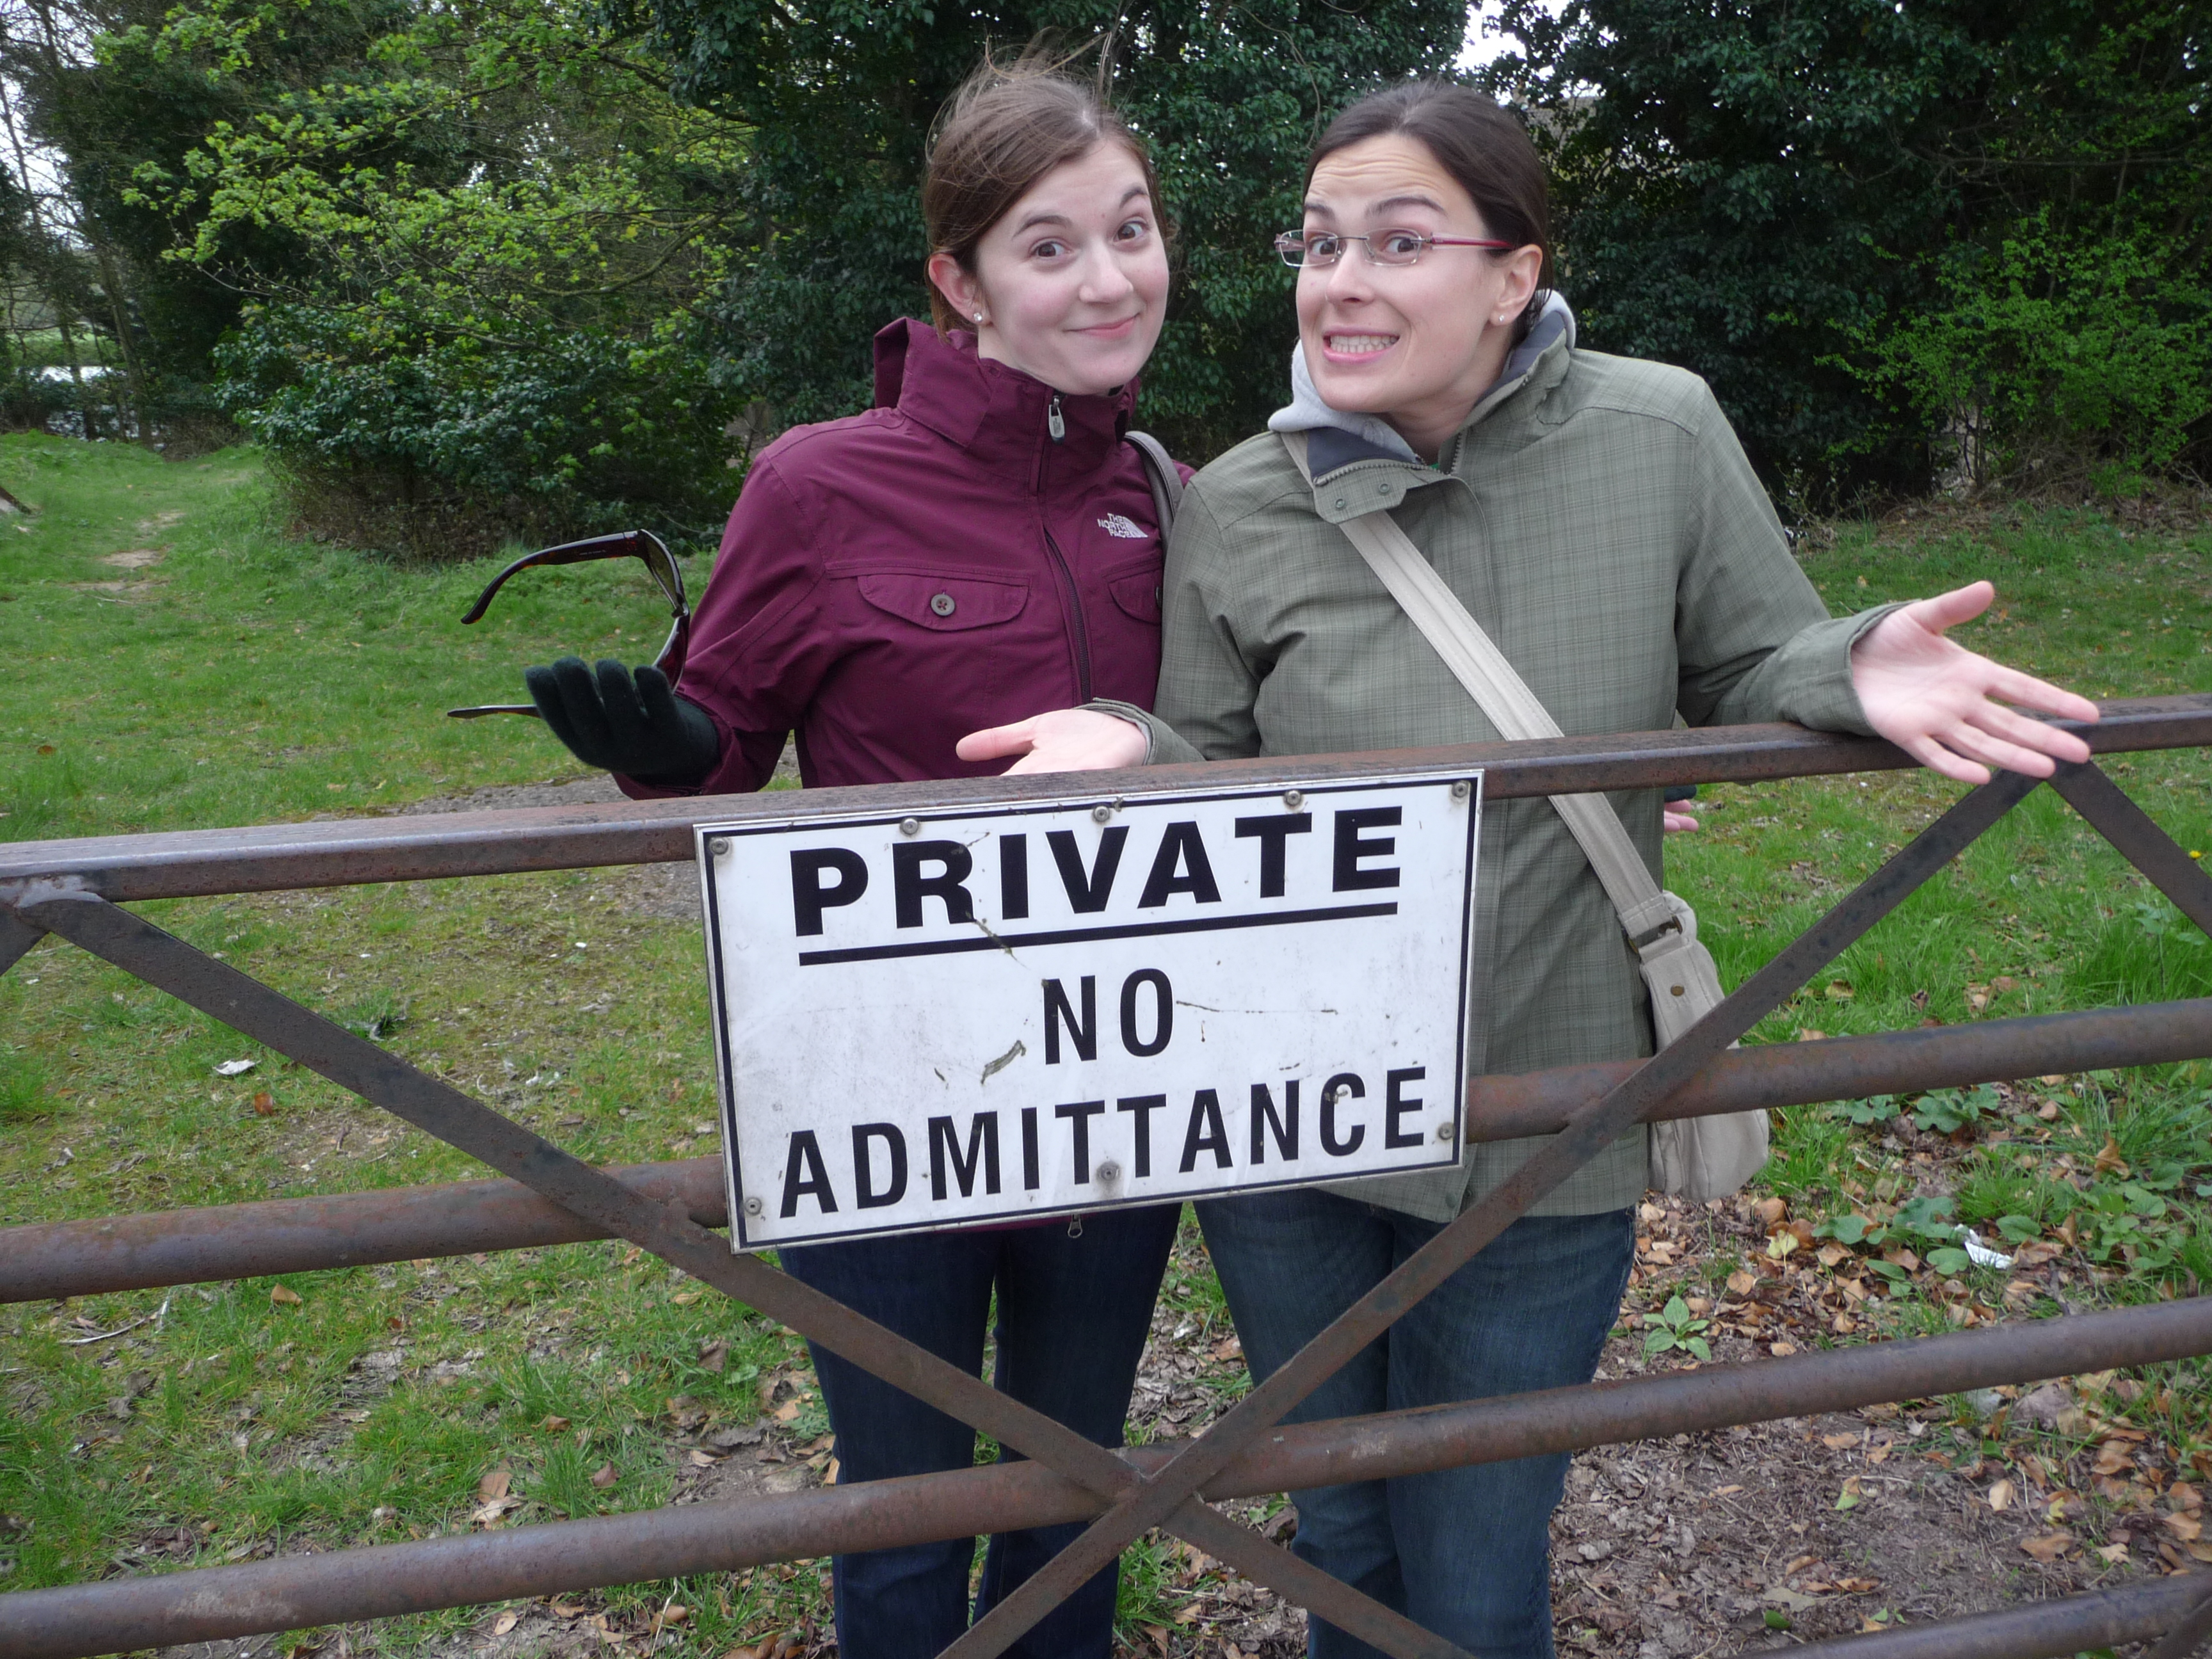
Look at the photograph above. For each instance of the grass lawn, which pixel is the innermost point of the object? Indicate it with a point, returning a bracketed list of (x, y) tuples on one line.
[(178, 662)]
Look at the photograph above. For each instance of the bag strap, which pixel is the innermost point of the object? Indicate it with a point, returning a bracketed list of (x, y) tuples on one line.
[(1505, 697), (1160, 473)]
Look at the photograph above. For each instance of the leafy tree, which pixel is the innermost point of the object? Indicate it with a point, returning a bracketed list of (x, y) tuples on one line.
[(115, 92), (1765, 191), (482, 323), (840, 97)]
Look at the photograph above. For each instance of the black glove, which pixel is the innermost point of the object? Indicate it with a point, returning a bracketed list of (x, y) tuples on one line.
[(639, 727)]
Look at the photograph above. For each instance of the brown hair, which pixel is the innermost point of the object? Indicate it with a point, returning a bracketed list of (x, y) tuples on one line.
[(1007, 126), (1484, 148)]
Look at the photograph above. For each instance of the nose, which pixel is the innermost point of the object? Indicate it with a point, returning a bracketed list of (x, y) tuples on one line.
[(1349, 281), (1104, 281)]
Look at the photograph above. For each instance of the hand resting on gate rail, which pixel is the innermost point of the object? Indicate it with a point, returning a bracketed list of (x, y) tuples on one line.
[(1945, 706)]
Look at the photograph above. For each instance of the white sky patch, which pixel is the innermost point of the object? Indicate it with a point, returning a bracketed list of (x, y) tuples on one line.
[(1483, 44)]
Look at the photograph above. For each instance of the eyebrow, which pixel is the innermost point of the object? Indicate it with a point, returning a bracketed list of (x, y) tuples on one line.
[(1383, 206), (1062, 219)]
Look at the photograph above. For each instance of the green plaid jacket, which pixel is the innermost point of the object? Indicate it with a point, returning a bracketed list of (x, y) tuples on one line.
[(1598, 517)]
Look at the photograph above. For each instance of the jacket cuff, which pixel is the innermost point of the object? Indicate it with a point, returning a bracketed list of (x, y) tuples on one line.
[(1164, 747), (1815, 662)]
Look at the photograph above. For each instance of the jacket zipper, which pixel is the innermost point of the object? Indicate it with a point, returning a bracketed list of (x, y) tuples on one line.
[(1075, 612), (1056, 426)]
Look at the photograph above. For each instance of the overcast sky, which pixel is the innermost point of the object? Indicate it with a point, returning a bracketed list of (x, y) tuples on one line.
[(1481, 48)]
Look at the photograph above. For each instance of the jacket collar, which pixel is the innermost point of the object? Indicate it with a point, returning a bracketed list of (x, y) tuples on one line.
[(997, 414), (1337, 438)]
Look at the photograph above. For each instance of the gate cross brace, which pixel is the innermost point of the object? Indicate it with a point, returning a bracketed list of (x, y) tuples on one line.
[(160, 959), (1660, 1077)]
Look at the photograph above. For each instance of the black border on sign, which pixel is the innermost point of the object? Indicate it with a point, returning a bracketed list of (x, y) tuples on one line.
[(725, 1078)]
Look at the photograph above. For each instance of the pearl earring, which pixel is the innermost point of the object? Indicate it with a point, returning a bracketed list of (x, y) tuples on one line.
[(979, 318)]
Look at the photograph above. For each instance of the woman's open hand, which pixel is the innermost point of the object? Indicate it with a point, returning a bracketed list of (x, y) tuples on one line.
[(1938, 701), (1064, 740)]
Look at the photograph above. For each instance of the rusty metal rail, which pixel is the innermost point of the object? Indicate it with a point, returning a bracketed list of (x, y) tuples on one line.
[(74, 889), (208, 1604), (197, 863), (60, 1259)]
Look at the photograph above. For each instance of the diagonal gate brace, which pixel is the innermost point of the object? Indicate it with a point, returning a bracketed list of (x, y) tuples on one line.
[(1588, 1132), (2106, 809), (70, 910)]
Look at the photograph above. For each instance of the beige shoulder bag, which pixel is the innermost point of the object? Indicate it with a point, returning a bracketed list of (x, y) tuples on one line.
[(1698, 1158)]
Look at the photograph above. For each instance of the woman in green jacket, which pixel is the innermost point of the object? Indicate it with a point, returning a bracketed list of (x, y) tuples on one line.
[(1598, 518)]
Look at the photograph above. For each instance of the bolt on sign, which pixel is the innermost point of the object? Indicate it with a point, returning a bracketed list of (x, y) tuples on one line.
[(996, 1013)]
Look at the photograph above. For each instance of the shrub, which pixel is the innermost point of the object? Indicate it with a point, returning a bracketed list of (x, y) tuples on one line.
[(447, 447), (2052, 354)]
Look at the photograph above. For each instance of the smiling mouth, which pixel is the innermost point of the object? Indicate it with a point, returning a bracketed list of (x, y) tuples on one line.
[(1358, 345), (1112, 330)]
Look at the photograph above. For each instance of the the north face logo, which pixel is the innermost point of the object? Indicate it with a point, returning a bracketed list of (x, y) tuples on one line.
[(1115, 525)]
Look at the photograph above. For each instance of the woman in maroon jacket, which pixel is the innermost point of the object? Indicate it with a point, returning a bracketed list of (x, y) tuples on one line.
[(980, 544)]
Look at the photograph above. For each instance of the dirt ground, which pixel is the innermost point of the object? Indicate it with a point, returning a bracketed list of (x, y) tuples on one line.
[(1749, 1539)]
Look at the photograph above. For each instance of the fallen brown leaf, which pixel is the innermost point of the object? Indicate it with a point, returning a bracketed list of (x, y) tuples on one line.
[(714, 1355), (494, 1485), (1769, 1211), (786, 1412), (505, 1622), (283, 1295), (554, 1425), (1740, 1283), (1838, 1442), (604, 1476), (264, 1104), (2186, 1527), (2109, 1161), (2113, 1456), (2000, 1495), (1782, 1350), (489, 1515), (2048, 1545)]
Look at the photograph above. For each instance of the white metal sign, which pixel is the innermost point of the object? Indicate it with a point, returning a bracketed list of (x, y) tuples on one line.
[(996, 1013)]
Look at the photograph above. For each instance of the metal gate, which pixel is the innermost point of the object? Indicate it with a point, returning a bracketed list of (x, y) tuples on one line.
[(76, 890)]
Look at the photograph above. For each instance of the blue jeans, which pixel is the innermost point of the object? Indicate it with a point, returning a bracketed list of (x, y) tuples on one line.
[(1464, 1553), (1074, 1313)]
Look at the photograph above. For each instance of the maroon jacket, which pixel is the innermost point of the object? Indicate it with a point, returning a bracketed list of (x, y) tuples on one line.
[(892, 581)]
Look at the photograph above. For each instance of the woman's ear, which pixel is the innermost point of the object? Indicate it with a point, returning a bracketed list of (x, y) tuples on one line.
[(961, 291), (1521, 268)]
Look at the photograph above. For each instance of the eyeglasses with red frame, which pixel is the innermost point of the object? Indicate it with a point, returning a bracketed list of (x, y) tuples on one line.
[(1322, 248), (622, 544)]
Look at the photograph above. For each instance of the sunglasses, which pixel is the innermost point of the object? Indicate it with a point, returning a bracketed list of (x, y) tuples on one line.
[(624, 544)]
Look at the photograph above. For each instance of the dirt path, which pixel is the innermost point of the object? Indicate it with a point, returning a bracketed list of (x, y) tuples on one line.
[(667, 891)]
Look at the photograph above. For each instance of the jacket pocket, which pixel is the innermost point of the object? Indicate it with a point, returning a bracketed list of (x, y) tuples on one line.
[(1138, 595), (944, 604)]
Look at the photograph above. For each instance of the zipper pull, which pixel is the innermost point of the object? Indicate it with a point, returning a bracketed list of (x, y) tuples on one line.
[(1054, 422)]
